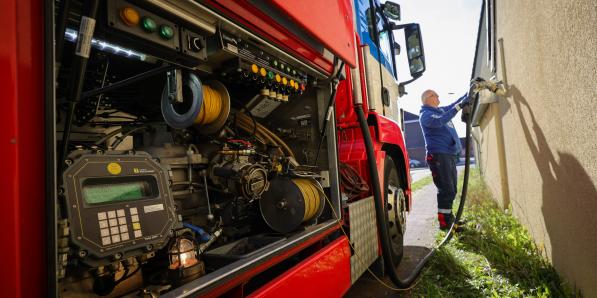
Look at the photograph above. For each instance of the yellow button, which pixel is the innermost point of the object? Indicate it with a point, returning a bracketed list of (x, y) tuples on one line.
[(284, 81), (296, 86), (278, 78), (254, 68), (136, 226), (291, 83), (263, 72), (129, 16)]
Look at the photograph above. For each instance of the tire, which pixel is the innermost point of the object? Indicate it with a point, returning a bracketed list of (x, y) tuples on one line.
[(395, 209)]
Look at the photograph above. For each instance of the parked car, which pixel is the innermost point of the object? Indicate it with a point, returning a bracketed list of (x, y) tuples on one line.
[(461, 161), (415, 163)]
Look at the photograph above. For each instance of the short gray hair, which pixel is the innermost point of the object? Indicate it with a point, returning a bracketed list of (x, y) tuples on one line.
[(425, 94)]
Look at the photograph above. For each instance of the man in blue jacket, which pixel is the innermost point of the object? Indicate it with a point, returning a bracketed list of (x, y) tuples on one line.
[(443, 148)]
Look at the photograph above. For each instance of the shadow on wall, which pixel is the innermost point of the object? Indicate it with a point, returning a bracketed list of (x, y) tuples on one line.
[(569, 203)]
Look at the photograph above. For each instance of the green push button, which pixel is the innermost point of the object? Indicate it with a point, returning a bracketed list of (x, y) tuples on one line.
[(148, 25), (270, 75), (166, 32)]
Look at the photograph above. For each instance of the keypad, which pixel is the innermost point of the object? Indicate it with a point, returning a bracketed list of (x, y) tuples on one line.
[(136, 224), (113, 226)]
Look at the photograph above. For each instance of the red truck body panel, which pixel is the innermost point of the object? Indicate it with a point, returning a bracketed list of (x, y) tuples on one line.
[(263, 25), (22, 149), (324, 274), (334, 30)]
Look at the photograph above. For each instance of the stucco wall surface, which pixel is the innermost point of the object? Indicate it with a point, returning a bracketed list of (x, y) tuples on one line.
[(549, 123)]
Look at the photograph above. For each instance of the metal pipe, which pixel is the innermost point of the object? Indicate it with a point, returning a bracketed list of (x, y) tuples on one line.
[(128, 81), (79, 67)]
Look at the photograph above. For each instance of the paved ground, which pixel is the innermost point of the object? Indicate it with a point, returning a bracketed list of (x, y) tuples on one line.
[(419, 173), (421, 229)]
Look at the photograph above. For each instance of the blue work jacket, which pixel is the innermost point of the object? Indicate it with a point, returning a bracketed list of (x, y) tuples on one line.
[(438, 129)]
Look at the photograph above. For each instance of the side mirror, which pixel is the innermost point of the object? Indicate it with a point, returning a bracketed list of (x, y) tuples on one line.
[(391, 10), (414, 50)]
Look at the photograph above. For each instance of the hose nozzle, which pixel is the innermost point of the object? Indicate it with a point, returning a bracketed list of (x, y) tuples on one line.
[(497, 87)]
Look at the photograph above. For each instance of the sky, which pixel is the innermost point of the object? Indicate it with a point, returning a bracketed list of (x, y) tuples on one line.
[(449, 33)]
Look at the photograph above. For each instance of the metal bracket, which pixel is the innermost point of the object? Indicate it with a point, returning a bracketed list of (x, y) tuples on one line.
[(174, 85)]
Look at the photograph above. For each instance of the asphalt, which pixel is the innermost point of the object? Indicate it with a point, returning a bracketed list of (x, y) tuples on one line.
[(421, 229)]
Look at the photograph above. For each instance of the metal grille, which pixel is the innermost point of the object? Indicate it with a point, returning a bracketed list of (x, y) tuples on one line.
[(363, 236)]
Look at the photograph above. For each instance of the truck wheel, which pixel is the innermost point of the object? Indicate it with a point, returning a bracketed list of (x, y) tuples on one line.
[(395, 208)]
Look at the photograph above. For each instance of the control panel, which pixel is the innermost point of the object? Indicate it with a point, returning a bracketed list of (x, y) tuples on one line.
[(119, 204), (262, 64), (154, 33)]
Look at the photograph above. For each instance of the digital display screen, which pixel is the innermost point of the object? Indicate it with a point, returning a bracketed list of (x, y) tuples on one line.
[(100, 191)]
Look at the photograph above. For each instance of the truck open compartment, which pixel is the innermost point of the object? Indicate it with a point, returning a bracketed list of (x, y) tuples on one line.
[(189, 150)]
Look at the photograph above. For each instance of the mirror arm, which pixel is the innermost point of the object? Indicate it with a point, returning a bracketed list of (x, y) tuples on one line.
[(409, 81), (394, 26)]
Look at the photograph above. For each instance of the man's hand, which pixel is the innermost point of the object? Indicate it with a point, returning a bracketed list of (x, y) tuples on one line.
[(464, 100)]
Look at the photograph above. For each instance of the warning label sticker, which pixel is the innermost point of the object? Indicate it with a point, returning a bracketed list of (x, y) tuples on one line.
[(84, 37), (153, 208)]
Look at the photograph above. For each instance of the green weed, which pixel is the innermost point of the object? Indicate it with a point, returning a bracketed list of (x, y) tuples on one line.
[(421, 183), (493, 257)]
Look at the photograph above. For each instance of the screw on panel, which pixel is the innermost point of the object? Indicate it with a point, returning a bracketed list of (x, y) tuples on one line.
[(82, 253), (118, 256), (149, 247)]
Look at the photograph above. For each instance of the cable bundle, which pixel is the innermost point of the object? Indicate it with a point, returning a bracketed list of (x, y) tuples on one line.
[(352, 183)]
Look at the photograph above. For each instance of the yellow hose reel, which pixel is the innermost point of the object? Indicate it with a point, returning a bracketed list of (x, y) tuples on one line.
[(291, 202), (204, 106)]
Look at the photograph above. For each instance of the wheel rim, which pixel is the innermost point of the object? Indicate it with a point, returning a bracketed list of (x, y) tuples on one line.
[(396, 213)]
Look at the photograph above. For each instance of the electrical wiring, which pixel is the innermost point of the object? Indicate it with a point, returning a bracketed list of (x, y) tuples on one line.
[(353, 184)]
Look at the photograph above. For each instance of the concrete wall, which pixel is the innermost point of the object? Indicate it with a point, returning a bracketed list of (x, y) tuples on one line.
[(538, 146)]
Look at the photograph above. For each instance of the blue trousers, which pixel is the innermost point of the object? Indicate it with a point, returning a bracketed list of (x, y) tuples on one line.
[(445, 177)]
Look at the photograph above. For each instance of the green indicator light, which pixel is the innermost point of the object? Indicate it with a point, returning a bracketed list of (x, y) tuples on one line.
[(276, 63), (294, 72), (148, 25), (288, 69), (270, 75), (166, 32), (281, 66)]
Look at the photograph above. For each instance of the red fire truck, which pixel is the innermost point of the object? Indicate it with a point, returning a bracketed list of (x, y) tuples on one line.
[(201, 148)]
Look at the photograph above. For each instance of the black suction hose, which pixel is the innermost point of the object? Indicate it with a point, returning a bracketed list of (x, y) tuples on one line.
[(380, 213)]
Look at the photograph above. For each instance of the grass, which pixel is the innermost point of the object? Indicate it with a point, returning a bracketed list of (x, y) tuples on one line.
[(421, 183), (494, 257)]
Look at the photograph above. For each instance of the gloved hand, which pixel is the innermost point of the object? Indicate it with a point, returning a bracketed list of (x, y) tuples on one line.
[(464, 100)]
